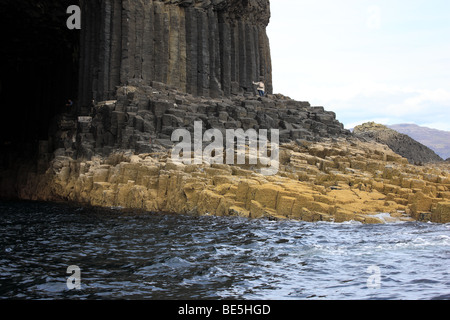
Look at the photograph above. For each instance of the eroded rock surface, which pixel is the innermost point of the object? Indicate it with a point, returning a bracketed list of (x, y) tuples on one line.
[(123, 159), (332, 180), (402, 144), (156, 66), (206, 48), (143, 119)]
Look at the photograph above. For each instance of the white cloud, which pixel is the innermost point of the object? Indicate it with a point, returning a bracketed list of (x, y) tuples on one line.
[(366, 60), (384, 104), (437, 125), (374, 19), (423, 96)]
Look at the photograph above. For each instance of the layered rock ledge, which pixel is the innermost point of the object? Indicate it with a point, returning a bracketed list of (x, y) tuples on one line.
[(154, 66), (122, 159), (333, 180), (143, 118)]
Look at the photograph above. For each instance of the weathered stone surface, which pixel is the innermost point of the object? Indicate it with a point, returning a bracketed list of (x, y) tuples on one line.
[(304, 188), (154, 60), (119, 124), (402, 144), (442, 213), (199, 47)]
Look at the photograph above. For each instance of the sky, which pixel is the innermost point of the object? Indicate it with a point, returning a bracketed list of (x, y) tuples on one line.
[(366, 60)]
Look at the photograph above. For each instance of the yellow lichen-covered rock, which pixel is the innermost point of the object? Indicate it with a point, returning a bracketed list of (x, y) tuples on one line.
[(226, 190), (64, 174), (223, 208), (256, 210), (150, 203), (441, 214), (371, 220), (343, 215), (238, 211), (101, 175), (390, 188), (267, 195), (417, 184), (192, 191), (208, 202), (309, 216), (137, 197), (303, 198), (97, 193), (406, 183), (243, 191), (319, 207), (360, 165), (285, 205), (378, 185), (223, 179), (324, 199), (129, 171), (420, 203), (217, 172), (317, 181), (445, 180)]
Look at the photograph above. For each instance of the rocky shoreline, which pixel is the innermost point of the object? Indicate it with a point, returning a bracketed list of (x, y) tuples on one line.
[(147, 69), (325, 173)]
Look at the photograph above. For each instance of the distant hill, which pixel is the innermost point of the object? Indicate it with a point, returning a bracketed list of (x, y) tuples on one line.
[(402, 144), (437, 140)]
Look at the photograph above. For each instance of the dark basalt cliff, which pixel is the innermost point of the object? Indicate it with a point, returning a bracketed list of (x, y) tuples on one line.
[(140, 69), (38, 68), (161, 65), (150, 66), (206, 48), (143, 119)]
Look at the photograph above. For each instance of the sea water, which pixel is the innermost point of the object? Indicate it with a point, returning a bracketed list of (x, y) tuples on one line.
[(133, 255)]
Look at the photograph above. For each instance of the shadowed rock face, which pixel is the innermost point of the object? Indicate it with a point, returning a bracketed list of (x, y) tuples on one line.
[(437, 140), (206, 48), (402, 144), (38, 68)]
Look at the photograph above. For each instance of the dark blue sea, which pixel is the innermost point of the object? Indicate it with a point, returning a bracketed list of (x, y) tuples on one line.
[(148, 256)]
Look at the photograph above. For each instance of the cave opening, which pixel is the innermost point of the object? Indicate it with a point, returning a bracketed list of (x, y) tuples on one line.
[(39, 70)]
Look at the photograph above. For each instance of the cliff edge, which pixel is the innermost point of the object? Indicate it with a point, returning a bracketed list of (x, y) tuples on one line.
[(151, 68)]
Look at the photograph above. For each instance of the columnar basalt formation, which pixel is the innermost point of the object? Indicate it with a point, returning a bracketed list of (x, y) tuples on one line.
[(123, 159), (206, 48), (144, 118), (338, 179), (156, 66)]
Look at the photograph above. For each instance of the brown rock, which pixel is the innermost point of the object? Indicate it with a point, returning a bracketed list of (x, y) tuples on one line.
[(442, 213)]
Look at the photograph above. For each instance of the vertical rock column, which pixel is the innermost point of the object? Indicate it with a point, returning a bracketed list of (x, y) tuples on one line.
[(203, 48)]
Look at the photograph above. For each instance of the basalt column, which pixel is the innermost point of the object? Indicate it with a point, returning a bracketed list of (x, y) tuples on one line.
[(206, 48)]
